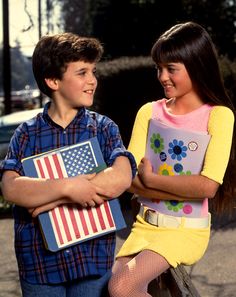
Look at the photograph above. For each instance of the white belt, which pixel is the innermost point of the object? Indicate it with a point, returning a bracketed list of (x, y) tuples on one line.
[(161, 220)]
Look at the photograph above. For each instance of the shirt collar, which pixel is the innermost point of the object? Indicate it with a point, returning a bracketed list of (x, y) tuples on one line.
[(80, 114)]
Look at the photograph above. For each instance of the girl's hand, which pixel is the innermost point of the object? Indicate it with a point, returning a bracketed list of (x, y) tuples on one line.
[(145, 170)]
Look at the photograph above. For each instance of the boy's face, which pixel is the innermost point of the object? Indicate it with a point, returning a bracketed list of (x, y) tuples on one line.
[(78, 84)]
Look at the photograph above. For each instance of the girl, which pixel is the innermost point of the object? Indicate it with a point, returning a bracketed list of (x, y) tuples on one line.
[(173, 224)]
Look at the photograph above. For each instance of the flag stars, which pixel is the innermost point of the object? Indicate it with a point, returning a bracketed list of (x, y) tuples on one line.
[(79, 160)]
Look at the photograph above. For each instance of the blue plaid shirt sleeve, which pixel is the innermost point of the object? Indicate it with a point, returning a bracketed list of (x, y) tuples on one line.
[(113, 147)]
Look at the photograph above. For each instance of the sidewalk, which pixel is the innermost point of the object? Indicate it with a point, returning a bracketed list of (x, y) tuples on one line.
[(214, 275)]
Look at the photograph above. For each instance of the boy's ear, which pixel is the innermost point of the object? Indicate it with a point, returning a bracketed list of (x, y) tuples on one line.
[(52, 83)]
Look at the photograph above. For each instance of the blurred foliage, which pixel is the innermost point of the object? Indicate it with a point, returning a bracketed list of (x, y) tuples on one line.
[(130, 27), (126, 83), (21, 70)]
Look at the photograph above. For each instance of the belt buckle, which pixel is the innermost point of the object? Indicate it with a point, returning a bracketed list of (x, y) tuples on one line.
[(147, 217)]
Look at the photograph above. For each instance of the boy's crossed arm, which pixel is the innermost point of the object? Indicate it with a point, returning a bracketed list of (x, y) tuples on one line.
[(40, 195)]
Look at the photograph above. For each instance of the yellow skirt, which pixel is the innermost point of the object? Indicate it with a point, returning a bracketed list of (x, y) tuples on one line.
[(177, 245)]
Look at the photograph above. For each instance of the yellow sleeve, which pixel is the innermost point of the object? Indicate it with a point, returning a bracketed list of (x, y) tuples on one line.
[(137, 143), (220, 127)]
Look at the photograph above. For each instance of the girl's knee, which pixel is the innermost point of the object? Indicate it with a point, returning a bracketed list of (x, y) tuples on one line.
[(116, 287)]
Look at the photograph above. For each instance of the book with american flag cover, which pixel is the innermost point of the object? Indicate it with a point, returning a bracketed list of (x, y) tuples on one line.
[(70, 224)]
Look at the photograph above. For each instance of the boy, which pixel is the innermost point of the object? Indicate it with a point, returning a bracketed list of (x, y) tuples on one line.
[(64, 67)]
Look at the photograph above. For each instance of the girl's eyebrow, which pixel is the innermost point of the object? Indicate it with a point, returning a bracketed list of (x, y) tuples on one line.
[(171, 63), (160, 65)]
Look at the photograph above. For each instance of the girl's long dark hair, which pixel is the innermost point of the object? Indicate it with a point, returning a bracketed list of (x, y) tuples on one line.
[(190, 44)]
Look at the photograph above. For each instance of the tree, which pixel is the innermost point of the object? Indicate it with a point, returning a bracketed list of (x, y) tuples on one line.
[(77, 16), (219, 18), (130, 27), (21, 70)]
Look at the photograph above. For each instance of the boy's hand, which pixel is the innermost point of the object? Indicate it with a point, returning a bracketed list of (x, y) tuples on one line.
[(81, 190), (46, 207)]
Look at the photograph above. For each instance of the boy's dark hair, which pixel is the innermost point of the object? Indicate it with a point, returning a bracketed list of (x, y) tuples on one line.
[(53, 53)]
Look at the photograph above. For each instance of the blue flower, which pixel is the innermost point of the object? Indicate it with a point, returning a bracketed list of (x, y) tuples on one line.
[(177, 149), (178, 167)]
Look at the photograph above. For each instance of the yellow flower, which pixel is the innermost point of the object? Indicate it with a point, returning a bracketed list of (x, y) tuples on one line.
[(165, 169)]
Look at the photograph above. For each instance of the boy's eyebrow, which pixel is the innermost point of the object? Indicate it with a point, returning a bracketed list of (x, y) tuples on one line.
[(84, 68), (81, 69)]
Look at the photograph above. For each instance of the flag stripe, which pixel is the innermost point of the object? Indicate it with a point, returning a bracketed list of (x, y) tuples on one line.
[(81, 215), (96, 220), (56, 226), (92, 221), (40, 170), (100, 218), (57, 165), (78, 219), (69, 222), (49, 168), (108, 213), (74, 223), (65, 224)]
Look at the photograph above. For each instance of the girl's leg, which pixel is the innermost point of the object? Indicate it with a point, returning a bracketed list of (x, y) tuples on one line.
[(131, 278), (120, 263)]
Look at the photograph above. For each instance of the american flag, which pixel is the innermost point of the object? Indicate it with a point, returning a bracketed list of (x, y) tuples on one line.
[(72, 223), (72, 161)]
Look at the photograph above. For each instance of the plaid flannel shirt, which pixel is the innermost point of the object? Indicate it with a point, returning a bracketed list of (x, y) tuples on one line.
[(91, 258)]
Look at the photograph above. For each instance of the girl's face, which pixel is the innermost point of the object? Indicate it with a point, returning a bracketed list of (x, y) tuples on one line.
[(175, 80)]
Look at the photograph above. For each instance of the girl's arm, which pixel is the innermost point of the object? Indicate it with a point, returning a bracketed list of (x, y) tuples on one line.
[(206, 184), (185, 186), (137, 187)]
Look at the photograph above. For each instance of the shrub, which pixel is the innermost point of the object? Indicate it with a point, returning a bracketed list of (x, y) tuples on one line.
[(126, 83)]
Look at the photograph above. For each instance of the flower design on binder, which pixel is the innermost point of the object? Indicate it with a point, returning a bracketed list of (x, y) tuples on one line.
[(174, 205), (177, 149), (188, 172), (178, 168), (165, 169), (156, 143)]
